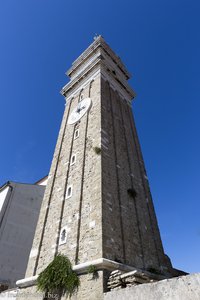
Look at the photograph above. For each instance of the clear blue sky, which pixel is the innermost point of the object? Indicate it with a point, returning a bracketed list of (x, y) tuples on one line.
[(159, 42)]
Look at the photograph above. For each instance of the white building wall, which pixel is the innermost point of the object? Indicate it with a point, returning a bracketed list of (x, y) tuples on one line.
[(3, 194), (43, 182), (17, 227)]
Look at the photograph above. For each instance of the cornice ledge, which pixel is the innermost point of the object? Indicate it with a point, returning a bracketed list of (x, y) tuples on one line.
[(122, 86), (100, 264), (77, 79), (29, 281), (99, 42)]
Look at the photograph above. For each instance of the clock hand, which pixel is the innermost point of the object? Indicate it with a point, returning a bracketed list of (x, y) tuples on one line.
[(79, 108)]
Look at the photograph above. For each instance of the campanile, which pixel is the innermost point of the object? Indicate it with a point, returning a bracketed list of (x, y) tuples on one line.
[(97, 207)]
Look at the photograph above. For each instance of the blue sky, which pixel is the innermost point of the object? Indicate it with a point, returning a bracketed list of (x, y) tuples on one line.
[(159, 42)]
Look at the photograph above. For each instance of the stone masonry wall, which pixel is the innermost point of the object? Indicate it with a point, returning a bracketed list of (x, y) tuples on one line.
[(81, 214), (32, 268), (130, 230), (90, 289), (179, 288)]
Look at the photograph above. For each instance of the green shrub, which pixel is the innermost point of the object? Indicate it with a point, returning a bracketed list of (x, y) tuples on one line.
[(93, 270), (97, 150), (59, 276)]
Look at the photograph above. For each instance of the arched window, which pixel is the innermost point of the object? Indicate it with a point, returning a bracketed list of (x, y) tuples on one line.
[(76, 134)]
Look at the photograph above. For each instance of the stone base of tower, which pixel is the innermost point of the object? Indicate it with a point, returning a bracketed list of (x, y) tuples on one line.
[(183, 287), (92, 285), (90, 289)]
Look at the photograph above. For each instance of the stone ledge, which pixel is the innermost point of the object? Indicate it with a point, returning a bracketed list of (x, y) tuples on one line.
[(100, 264), (29, 281)]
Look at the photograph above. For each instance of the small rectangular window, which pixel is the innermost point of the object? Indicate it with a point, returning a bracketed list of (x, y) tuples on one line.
[(63, 236), (69, 192), (76, 134)]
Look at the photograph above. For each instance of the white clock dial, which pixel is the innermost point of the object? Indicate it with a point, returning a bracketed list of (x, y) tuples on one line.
[(79, 110)]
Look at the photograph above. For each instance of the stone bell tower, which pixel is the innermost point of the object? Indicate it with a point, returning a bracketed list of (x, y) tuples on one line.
[(97, 207)]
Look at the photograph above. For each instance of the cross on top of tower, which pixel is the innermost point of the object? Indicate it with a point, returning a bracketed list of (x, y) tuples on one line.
[(97, 35)]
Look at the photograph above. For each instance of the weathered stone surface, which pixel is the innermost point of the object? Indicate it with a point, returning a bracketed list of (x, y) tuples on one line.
[(179, 288), (101, 218), (118, 279)]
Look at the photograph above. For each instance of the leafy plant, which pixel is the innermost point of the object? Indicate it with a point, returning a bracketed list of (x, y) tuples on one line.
[(93, 270), (97, 150), (59, 276)]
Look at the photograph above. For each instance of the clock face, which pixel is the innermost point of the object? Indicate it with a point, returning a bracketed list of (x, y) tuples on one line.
[(79, 110)]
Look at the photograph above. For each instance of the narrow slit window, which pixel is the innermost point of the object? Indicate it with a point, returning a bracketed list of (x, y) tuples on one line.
[(63, 235), (81, 97), (69, 192), (76, 134), (73, 159)]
